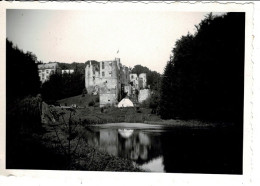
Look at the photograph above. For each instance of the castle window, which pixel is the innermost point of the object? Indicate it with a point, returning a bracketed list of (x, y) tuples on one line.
[(103, 65), (103, 74), (110, 74), (132, 77)]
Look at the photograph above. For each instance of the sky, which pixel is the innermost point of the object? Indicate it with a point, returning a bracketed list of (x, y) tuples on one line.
[(136, 37)]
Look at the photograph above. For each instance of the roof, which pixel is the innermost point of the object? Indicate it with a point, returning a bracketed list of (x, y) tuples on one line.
[(125, 103), (48, 66)]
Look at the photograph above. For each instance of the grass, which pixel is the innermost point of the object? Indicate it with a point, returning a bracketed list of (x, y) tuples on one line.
[(95, 115), (78, 100)]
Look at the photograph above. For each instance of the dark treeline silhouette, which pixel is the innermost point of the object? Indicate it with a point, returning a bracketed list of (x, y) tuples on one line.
[(61, 86), (153, 77), (204, 78), (79, 67), (22, 77), (23, 107)]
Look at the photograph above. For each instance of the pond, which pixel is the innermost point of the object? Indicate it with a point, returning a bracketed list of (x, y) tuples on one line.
[(157, 148)]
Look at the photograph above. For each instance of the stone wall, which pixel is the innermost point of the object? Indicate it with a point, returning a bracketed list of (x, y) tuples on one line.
[(142, 81), (108, 99), (92, 76), (143, 95)]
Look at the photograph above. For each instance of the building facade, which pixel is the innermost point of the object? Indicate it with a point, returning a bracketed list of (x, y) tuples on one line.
[(112, 81), (67, 71), (108, 78), (45, 70)]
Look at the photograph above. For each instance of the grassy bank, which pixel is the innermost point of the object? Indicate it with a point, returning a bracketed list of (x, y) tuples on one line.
[(96, 115), (81, 101), (90, 113)]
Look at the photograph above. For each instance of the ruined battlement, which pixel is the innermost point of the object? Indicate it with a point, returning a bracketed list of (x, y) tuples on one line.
[(111, 80)]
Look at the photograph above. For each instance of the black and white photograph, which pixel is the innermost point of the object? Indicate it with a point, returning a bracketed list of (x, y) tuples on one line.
[(135, 91)]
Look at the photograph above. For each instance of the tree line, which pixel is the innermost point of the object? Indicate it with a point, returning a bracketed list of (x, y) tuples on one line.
[(61, 86), (204, 78), (22, 77)]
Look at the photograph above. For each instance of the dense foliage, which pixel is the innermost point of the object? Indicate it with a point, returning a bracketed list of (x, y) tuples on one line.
[(23, 107), (61, 86), (153, 77), (205, 77), (79, 67), (22, 77)]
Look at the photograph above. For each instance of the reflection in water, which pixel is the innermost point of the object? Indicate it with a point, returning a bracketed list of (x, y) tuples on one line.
[(108, 141), (125, 133), (179, 150), (127, 143), (155, 165)]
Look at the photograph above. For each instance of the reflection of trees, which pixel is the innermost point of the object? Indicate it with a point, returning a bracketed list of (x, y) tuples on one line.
[(203, 151)]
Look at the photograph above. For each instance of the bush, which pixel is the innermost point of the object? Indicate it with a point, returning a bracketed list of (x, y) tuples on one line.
[(145, 103), (84, 92), (97, 99), (91, 103)]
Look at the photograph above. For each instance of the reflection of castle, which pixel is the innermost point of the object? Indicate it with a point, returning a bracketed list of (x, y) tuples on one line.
[(139, 146), (112, 81)]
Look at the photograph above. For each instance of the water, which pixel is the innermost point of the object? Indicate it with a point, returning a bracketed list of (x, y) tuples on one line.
[(178, 150)]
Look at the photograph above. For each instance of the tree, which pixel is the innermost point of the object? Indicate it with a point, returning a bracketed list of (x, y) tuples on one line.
[(22, 77), (166, 100), (61, 86), (204, 79)]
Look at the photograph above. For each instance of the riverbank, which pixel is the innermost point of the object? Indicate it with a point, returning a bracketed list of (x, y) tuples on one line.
[(92, 115), (81, 156), (95, 115)]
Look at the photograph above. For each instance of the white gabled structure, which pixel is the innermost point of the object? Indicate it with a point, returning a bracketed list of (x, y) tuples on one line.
[(125, 103)]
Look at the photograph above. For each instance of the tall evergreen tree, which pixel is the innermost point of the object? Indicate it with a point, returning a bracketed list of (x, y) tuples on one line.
[(206, 71)]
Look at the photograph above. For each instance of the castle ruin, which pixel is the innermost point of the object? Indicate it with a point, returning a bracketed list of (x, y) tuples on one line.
[(112, 81)]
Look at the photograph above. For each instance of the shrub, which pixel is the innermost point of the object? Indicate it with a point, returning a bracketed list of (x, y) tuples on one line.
[(97, 99), (84, 92), (91, 103), (145, 103)]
